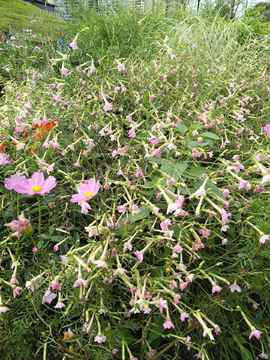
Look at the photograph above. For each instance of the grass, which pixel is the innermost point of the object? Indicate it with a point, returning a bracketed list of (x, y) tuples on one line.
[(15, 15)]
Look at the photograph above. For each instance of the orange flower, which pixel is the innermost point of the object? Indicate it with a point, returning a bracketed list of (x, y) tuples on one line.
[(45, 128), (2, 147)]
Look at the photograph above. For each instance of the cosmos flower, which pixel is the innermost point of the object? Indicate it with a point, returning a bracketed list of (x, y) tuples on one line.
[(35, 185), (86, 191)]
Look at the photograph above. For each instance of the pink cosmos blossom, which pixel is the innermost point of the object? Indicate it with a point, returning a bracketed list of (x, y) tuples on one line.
[(100, 338), (139, 255), (36, 185), (168, 324), (255, 332), (73, 45), (79, 282), (87, 190), (48, 297), (107, 107)]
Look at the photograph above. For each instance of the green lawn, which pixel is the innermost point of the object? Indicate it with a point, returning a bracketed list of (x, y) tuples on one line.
[(16, 14)]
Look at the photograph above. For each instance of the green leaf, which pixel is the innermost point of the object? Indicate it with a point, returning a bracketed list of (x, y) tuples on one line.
[(182, 128), (194, 144), (144, 211), (174, 169), (122, 334), (208, 135), (213, 188), (246, 354), (197, 170)]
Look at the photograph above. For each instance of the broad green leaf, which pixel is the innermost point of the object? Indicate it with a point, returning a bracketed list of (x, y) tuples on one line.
[(208, 135), (197, 170), (209, 185), (122, 334), (175, 170), (194, 144), (182, 128), (144, 211), (246, 354)]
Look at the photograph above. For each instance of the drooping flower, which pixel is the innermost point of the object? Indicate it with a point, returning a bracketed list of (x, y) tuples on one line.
[(35, 185), (73, 45), (48, 297), (100, 338), (255, 332), (22, 225), (168, 324), (86, 191)]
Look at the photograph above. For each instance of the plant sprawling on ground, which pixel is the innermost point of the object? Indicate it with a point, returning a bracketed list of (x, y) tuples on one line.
[(134, 202)]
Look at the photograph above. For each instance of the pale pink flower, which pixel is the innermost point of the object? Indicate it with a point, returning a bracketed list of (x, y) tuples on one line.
[(170, 181), (184, 316), (205, 232), (162, 304), (107, 107), (13, 181), (139, 255), (225, 216), (79, 282), (74, 45), (64, 71), (264, 238), (235, 287), (22, 225), (216, 288), (255, 306), (139, 173), (200, 139), (59, 305), (64, 258), (164, 225), (168, 324), (3, 308), (4, 159), (121, 67), (255, 332), (55, 285), (100, 338), (48, 297), (267, 130)]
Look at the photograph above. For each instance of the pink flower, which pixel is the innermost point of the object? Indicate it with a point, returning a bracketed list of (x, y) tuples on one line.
[(64, 71), (107, 107), (264, 238), (74, 45), (55, 285), (4, 159), (170, 181), (48, 297), (267, 130), (151, 353), (168, 324), (64, 258), (3, 308), (255, 332), (79, 282), (162, 304), (225, 216), (59, 305), (22, 225), (56, 248), (36, 185), (35, 250), (255, 306), (86, 191), (121, 67), (13, 181), (139, 255), (139, 173), (200, 139), (244, 185), (216, 288), (114, 351), (100, 338), (184, 316), (16, 290), (205, 233), (164, 225), (84, 207)]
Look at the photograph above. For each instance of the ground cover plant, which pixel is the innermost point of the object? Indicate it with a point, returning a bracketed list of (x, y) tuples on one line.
[(134, 196)]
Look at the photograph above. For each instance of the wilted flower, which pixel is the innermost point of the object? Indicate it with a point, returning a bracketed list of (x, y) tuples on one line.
[(22, 225)]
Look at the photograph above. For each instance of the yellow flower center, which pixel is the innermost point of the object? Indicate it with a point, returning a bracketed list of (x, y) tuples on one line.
[(36, 188), (88, 193)]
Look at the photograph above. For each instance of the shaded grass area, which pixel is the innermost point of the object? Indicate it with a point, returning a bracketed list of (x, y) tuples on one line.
[(16, 14)]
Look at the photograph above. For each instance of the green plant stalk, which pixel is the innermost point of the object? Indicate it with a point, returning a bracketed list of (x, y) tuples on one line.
[(39, 231)]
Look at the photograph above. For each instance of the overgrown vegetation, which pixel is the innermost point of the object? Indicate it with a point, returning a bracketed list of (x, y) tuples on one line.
[(136, 164)]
